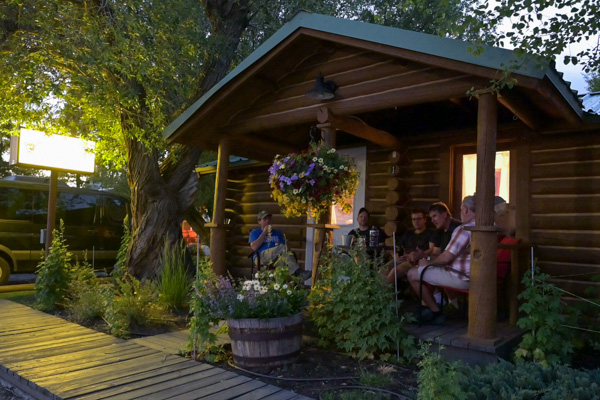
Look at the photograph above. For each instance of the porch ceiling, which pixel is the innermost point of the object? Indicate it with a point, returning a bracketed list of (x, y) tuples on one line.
[(265, 111)]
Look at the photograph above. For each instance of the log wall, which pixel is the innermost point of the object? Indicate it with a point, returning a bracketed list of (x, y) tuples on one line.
[(248, 193), (565, 208)]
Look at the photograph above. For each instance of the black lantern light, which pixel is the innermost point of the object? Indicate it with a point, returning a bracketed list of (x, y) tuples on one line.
[(323, 90)]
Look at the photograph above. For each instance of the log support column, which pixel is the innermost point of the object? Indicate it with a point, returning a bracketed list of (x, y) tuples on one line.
[(482, 291), (329, 137), (218, 227)]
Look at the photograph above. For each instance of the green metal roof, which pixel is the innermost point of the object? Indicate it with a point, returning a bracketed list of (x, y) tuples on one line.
[(453, 49)]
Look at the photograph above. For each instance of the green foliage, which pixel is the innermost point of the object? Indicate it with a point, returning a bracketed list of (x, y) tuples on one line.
[(544, 28), (133, 303), (53, 274), (120, 267), (86, 296), (547, 341), (202, 337), (440, 379), (175, 283), (366, 378), (354, 310), (593, 81)]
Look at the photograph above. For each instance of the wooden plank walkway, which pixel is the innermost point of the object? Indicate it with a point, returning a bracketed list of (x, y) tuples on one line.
[(49, 358)]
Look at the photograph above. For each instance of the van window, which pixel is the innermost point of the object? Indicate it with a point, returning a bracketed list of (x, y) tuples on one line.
[(76, 209), (13, 204)]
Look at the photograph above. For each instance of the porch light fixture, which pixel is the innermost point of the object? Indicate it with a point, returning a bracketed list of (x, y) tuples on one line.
[(323, 90)]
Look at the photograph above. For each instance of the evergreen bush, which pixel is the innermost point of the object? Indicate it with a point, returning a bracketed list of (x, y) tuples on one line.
[(86, 294), (440, 380), (354, 310), (53, 274)]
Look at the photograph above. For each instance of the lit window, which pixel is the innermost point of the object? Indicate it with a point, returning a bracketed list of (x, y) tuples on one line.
[(502, 174), (339, 217)]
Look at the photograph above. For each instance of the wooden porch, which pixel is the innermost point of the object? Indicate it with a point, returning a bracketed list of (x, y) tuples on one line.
[(50, 359)]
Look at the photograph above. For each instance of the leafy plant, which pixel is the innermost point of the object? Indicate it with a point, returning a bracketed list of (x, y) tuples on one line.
[(174, 285), (311, 181), (440, 379), (133, 302), (86, 296), (379, 380), (354, 310), (53, 274), (120, 267), (547, 341)]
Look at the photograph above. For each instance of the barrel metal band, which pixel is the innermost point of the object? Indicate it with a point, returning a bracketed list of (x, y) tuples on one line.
[(290, 331), (265, 360)]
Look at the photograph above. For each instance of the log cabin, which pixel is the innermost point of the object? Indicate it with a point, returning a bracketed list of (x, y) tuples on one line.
[(417, 113)]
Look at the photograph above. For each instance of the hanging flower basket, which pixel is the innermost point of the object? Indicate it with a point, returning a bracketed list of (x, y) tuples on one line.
[(312, 181)]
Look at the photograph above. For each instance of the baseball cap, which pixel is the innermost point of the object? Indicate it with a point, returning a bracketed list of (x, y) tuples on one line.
[(262, 215)]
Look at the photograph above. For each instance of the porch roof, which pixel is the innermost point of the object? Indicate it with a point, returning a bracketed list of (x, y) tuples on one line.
[(393, 79)]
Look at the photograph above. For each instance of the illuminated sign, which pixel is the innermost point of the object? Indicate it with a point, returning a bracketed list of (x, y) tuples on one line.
[(36, 149)]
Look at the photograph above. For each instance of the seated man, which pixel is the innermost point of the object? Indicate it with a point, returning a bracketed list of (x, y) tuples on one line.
[(415, 245), (451, 268), (441, 218), (270, 243), (364, 229)]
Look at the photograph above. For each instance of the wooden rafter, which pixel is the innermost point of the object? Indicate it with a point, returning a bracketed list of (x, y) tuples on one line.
[(521, 109), (359, 128)]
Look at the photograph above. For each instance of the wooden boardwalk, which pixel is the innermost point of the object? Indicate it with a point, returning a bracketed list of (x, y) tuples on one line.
[(49, 358)]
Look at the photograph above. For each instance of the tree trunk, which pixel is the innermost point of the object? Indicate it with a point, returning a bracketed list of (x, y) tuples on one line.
[(161, 195)]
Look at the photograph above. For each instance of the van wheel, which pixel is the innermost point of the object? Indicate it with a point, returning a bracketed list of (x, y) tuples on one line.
[(4, 271)]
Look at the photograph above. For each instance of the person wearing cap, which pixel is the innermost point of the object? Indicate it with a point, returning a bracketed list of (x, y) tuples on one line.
[(269, 243)]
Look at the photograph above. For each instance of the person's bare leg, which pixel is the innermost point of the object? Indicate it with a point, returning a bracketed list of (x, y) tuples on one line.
[(427, 297)]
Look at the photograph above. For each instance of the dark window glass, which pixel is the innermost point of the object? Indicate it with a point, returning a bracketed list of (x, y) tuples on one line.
[(40, 207), (14, 204), (116, 210), (76, 209)]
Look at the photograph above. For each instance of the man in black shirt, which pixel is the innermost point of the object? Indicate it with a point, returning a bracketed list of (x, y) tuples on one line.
[(441, 217), (414, 245)]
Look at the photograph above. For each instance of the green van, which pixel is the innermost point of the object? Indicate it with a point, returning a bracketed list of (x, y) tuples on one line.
[(93, 222)]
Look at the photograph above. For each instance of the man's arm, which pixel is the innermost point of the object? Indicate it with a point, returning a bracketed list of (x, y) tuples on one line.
[(445, 258), (255, 244)]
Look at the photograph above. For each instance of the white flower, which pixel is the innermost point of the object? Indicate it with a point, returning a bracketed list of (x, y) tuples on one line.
[(314, 159), (295, 191), (289, 292), (332, 150), (270, 275), (276, 286), (256, 275), (285, 286), (341, 167), (303, 201), (240, 297), (320, 161), (263, 290), (345, 168)]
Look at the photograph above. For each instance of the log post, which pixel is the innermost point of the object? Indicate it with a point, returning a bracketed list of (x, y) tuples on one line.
[(218, 227), (482, 291), (329, 137), (484, 244)]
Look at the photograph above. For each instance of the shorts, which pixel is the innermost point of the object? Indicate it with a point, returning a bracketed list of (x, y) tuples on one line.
[(440, 276)]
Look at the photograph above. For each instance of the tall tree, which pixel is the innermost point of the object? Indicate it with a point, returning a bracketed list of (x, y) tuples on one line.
[(119, 72), (546, 28)]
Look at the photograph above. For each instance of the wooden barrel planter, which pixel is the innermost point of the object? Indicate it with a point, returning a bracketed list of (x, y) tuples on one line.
[(265, 342)]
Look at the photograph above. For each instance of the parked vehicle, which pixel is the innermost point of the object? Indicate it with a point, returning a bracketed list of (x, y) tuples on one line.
[(93, 222)]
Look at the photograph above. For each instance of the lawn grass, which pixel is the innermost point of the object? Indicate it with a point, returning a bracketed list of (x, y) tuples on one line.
[(25, 297)]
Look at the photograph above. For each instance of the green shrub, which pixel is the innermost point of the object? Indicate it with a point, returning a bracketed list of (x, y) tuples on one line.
[(439, 380), (547, 340), (86, 295), (133, 303), (354, 310), (175, 283), (120, 267), (53, 274)]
